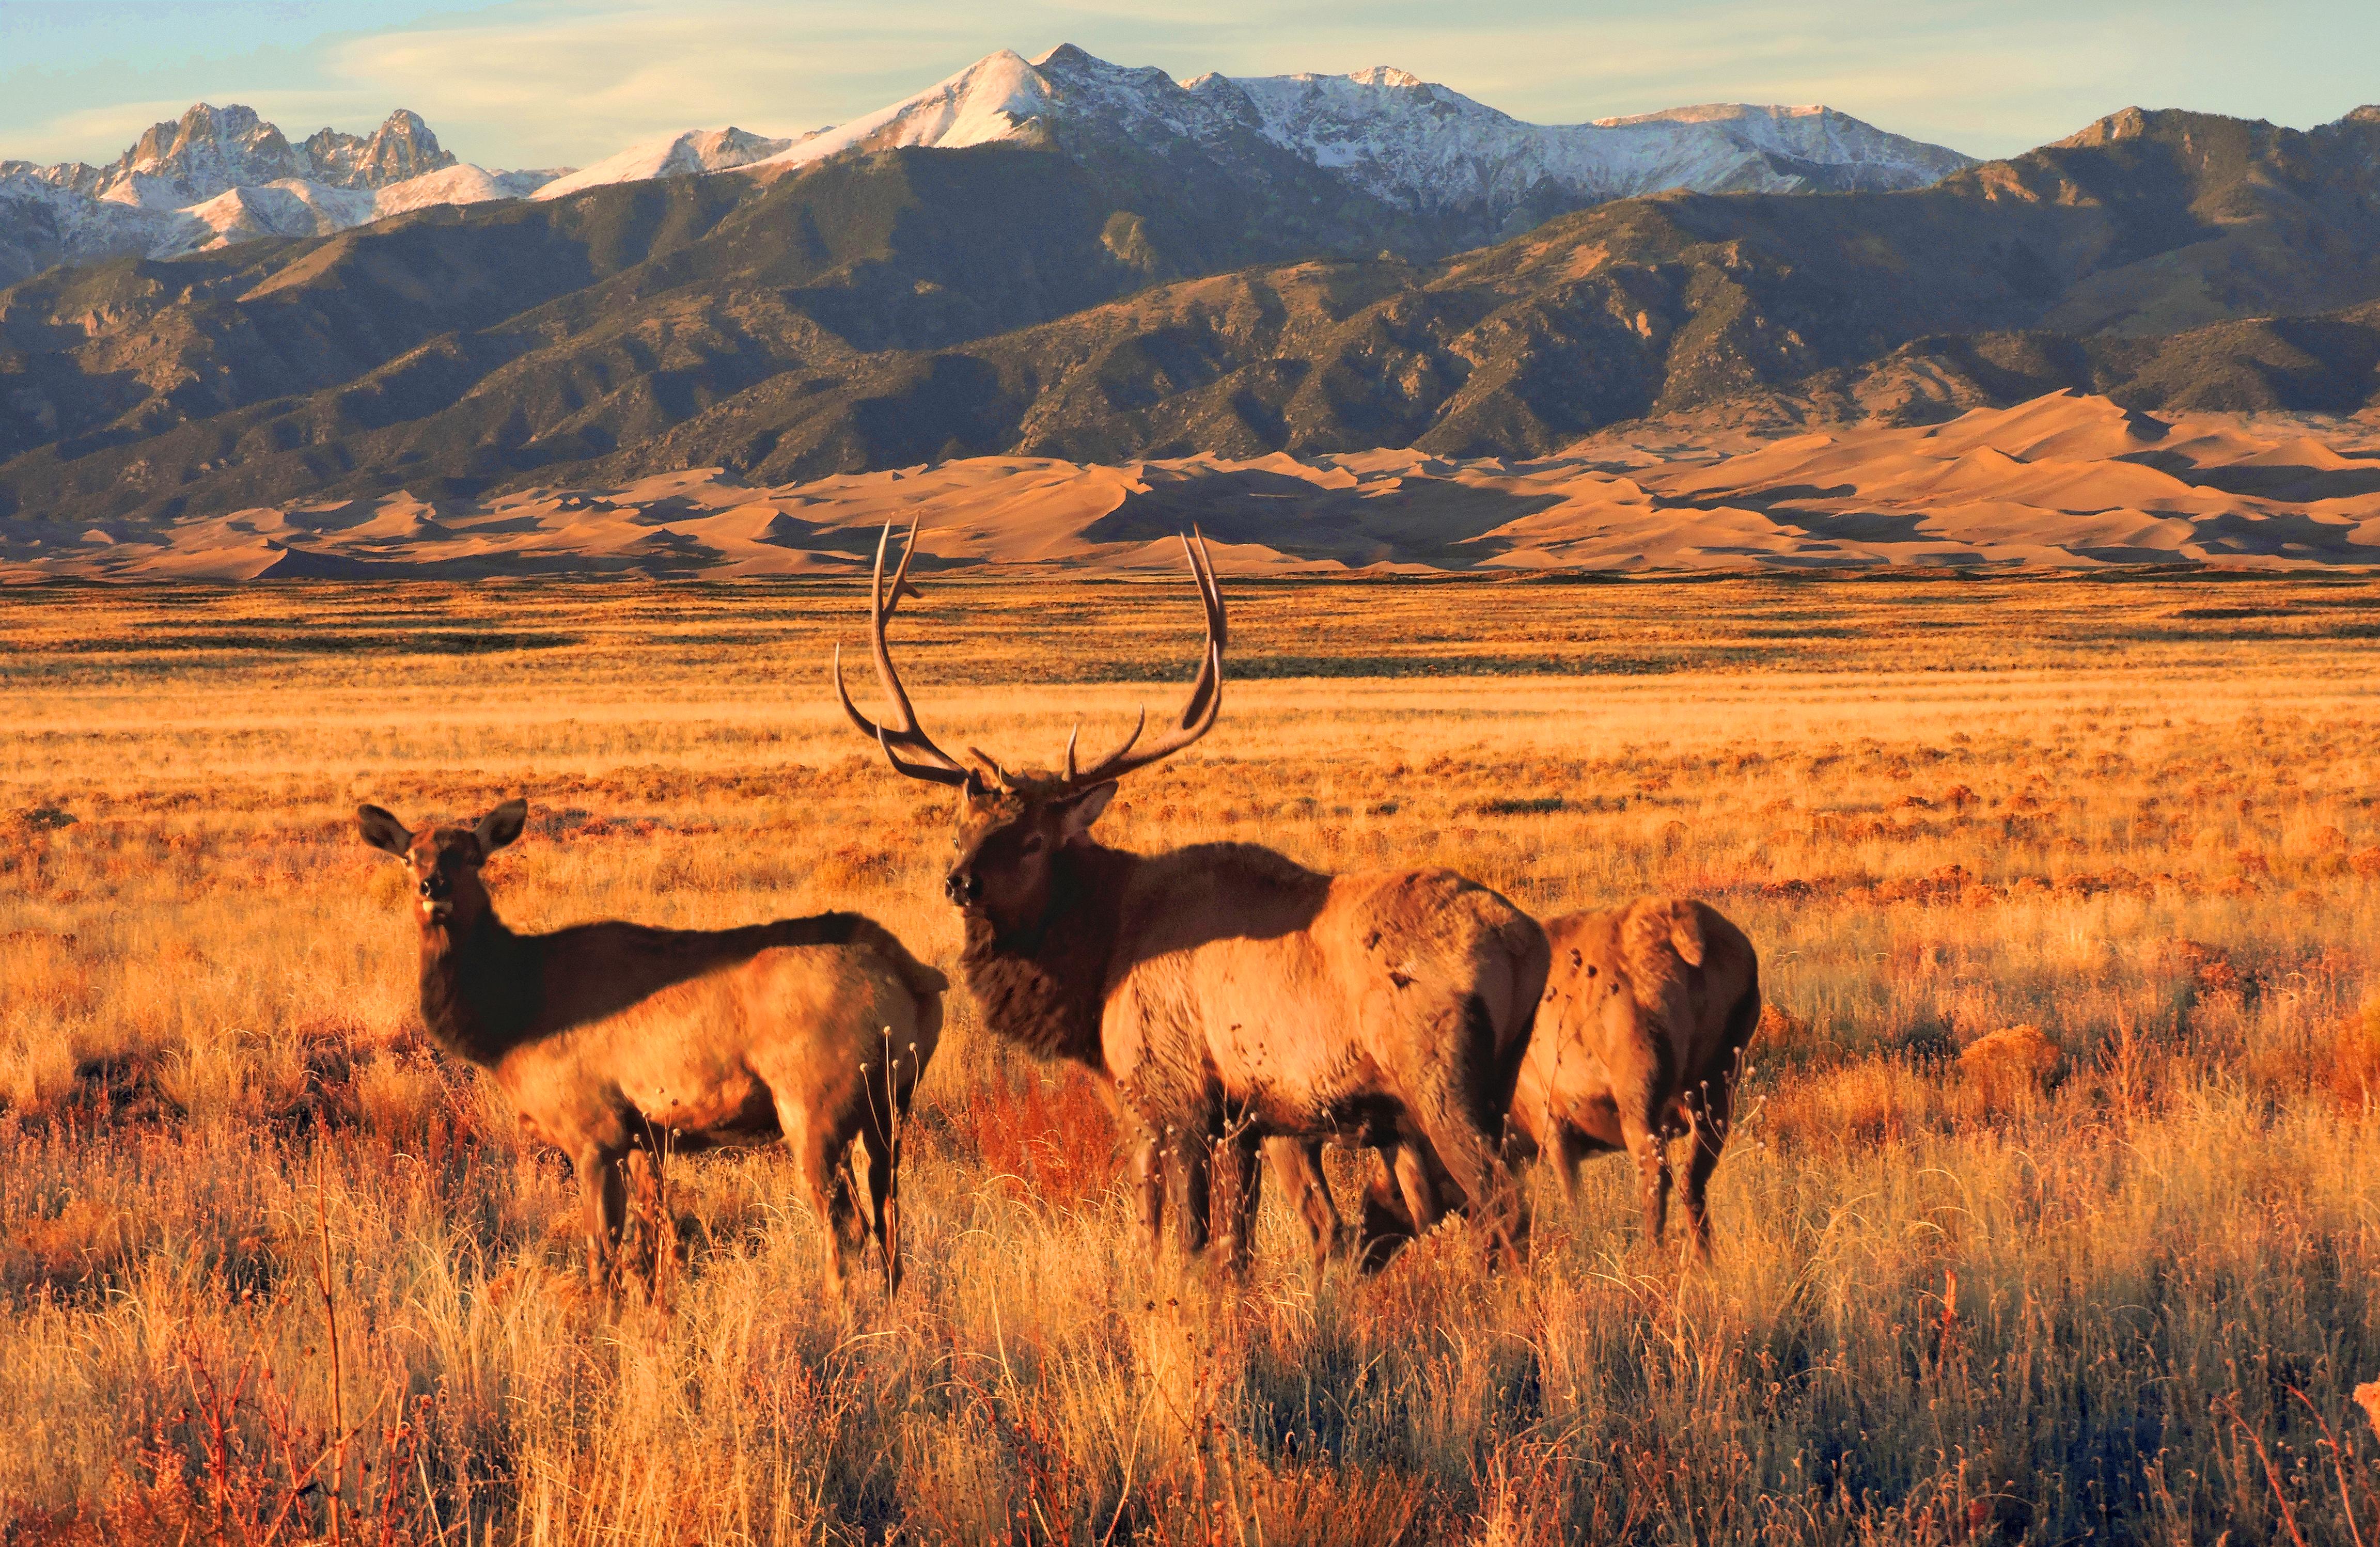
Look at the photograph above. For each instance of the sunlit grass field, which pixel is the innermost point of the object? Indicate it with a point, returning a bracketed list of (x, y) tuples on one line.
[(2128, 1298)]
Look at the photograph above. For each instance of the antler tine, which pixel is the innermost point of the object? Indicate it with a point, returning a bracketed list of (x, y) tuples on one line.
[(904, 732), (1205, 693), (1210, 675)]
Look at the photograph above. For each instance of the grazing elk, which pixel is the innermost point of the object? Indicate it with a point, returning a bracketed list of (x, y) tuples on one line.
[(609, 1037), (1640, 1038), (1221, 991)]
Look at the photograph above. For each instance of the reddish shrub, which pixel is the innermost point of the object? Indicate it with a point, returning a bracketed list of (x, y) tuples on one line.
[(1050, 1131)]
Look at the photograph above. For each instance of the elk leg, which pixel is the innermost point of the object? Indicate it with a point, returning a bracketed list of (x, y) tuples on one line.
[(1388, 1226), (1415, 1185), (1711, 1108), (825, 1181), (1643, 1135), (1149, 1189), (1298, 1166), (1189, 1158), (1569, 1153), (603, 1198), (1242, 1182), (884, 1201)]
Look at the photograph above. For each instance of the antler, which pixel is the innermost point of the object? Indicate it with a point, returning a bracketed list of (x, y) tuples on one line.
[(1205, 693), (904, 732)]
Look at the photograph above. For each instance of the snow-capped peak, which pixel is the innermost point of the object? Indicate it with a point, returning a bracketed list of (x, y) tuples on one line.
[(991, 100)]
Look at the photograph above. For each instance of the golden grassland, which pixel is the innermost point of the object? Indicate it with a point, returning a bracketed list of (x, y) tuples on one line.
[(2110, 1276)]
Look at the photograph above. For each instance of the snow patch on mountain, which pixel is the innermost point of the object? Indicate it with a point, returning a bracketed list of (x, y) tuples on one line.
[(460, 184), (690, 153)]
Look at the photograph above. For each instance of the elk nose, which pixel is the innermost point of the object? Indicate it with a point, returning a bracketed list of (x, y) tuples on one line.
[(964, 885), (433, 885)]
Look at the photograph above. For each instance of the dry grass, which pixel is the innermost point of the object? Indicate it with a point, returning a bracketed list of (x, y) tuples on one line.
[(2116, 1280)]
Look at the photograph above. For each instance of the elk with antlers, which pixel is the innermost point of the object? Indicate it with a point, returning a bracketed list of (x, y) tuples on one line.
[(1220, 991), (613, 1037)]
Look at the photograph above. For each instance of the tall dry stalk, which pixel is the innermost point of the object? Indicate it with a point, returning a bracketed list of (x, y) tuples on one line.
[(331, 1319)]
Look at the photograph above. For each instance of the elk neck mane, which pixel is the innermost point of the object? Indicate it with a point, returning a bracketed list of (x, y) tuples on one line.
[(1044, 988), (478, 994)]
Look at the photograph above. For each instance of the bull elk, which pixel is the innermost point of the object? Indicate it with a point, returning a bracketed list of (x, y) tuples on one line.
[(612, 1037), (1221, 992), (1640, 1039)]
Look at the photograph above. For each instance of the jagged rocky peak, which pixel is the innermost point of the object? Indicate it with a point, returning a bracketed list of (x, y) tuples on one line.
[(222, 174), (211, 150), (401, 148), (224, 131)]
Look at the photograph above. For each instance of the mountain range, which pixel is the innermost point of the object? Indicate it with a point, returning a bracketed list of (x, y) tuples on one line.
[(1064, 258), (220, 176), (1464, 171)]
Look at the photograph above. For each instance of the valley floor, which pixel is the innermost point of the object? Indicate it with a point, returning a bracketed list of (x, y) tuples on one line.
[(2131, 1301)]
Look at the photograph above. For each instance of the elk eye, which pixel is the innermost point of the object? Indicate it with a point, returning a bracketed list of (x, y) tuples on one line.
[(1033, 845)]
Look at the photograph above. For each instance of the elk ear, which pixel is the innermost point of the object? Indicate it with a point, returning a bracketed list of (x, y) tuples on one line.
[(501, 826), (382, 830), (1075, 816)]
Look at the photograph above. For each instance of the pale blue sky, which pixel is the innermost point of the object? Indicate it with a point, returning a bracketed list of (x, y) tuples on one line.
[(546, 82)]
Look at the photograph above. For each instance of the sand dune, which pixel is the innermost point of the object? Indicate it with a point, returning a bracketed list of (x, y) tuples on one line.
[(2060, 480)]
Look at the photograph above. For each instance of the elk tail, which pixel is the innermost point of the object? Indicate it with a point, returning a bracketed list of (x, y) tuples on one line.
[(1744, 1019)]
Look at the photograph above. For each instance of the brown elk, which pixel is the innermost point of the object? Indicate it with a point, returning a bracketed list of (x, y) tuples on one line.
[(612, 1037), (1647, 1014), (1220, 991), (1640, 1038)]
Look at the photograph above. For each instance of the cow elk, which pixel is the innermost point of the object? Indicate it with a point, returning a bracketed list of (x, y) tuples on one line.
[(1641, 1038), (1221, 992), (615, 1037)]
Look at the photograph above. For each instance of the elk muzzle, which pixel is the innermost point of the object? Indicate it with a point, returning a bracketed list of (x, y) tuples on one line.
[(963, 886), (437, 895)]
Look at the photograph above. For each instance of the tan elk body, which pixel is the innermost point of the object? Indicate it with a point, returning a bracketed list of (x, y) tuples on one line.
[(1640, 1038), (1221, 991), (609, 1037)]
